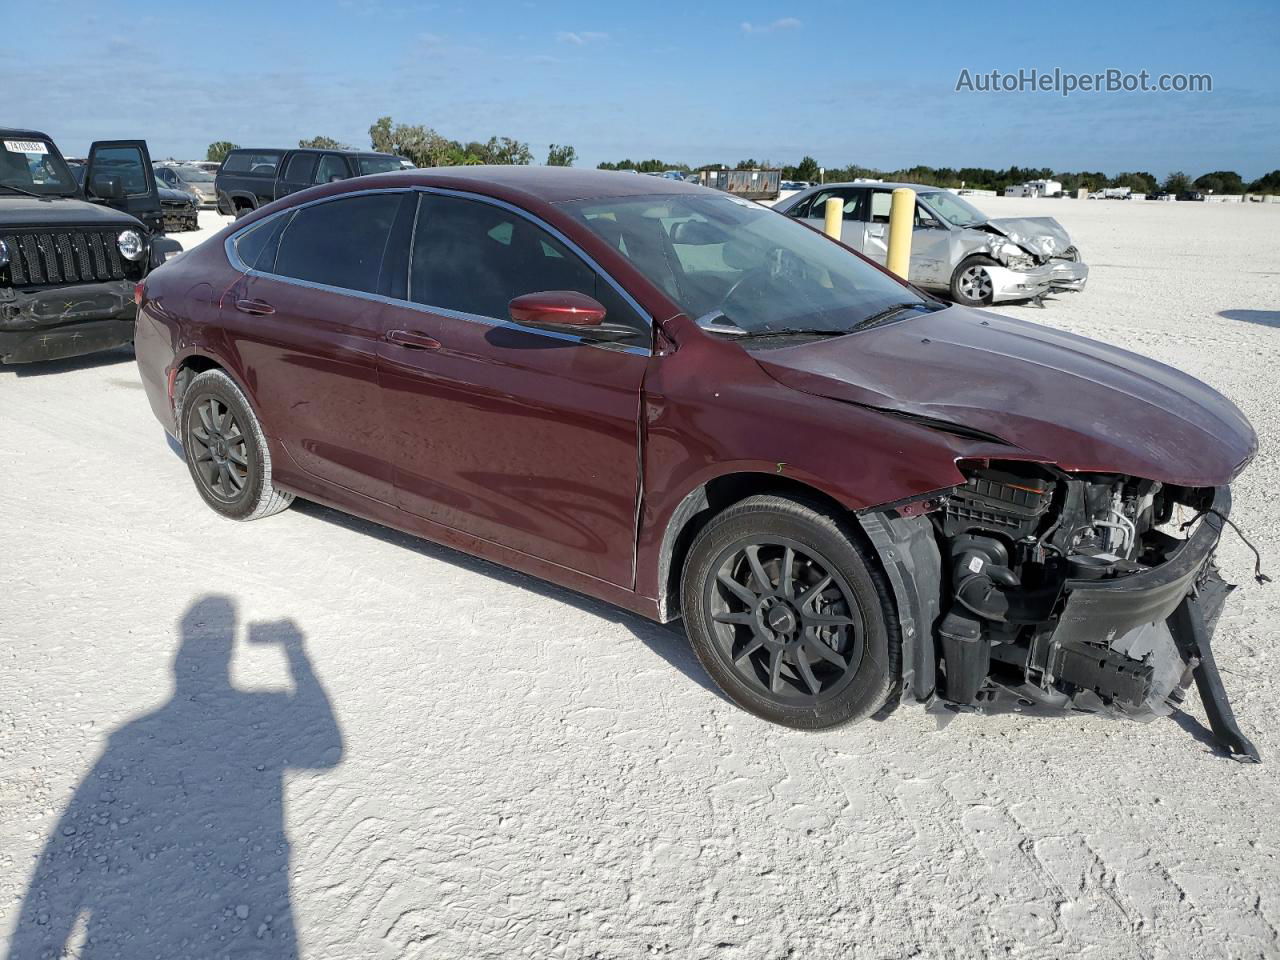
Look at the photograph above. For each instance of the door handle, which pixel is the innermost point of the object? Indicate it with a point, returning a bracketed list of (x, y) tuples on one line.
[(413, 340), (876, 231), (257, 308)]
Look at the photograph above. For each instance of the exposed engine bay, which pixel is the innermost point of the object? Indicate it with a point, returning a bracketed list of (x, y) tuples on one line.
[(1061, 592)]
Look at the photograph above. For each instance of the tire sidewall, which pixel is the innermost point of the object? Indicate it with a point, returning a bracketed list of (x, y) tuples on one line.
[(872, 680), (214, 384)]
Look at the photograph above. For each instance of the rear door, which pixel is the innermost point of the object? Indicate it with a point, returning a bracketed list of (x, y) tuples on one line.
[(130, 162), (304, 318), (296, 172), (876, 230), (331, 168), (851, 228)]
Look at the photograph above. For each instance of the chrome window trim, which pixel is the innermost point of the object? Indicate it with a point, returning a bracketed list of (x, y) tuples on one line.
[(229, 245)]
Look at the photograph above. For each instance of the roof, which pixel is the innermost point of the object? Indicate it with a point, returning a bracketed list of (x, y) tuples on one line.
[(18, 134), (345, 151), (886, 185), (549, 184)]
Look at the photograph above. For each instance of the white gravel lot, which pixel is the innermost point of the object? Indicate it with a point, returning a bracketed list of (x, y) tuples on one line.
[(458, 761)]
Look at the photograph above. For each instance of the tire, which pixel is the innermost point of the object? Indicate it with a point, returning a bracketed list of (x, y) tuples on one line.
[(232, 475), (856, 666), (242, 211), (970, 286)]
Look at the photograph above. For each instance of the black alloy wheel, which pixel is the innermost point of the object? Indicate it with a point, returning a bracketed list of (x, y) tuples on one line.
[(789, 615), (785, 620), (226, 450), (219, 453)]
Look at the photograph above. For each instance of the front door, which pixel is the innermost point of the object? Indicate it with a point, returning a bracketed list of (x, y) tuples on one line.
[(304, 319), (129, 162), (523, 438)]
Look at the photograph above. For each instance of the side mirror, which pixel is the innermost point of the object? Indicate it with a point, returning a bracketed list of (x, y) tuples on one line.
[(106, 187), (557, 308), (929, 223), (567, 311)]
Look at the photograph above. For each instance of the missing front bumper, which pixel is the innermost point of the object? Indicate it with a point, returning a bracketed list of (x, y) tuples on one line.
[(1124, 647)]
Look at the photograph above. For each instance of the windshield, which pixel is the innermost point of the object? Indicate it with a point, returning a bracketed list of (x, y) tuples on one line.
[(370, 165), (954, 210), (34, 166), (763, 272), (194, 175)]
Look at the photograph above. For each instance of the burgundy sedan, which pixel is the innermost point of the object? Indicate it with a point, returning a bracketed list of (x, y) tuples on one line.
[(687, 404)]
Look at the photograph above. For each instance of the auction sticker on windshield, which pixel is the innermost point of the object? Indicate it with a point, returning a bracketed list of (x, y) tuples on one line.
[(25, 146)]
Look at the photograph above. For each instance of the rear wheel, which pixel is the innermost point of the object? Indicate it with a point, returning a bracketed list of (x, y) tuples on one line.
[(226, 451), (788, 616), (971, 284)]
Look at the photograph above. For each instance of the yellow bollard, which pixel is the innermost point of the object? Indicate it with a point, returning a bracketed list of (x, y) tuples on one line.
[(833, 210), (901, 220)]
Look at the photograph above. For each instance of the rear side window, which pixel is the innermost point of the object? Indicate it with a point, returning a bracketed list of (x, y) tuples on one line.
[(851, 200), (300, 168), (370, 165), (252, 163), (475, 258), (339, 243), (330, 168), (257, 246)]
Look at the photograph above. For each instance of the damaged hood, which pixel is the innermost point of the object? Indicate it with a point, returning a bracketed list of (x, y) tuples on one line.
[(1058, 397), (1043, 236)]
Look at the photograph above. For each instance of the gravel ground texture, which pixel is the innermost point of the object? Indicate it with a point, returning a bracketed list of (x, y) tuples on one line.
[(311, 736)]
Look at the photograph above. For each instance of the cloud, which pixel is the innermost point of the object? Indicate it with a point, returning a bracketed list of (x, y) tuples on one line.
[(581, 38), (784, 23)]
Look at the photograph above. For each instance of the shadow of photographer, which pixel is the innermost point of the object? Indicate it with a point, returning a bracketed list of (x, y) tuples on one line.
[(174, 844)]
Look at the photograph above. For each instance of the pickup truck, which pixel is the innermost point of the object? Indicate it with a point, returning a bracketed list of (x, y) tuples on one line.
[(249, 178)]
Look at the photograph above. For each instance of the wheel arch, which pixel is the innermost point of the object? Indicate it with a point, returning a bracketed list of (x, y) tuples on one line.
[(705, 501)]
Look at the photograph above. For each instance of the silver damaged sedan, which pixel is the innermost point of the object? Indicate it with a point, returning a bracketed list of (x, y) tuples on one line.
[(955, 247)]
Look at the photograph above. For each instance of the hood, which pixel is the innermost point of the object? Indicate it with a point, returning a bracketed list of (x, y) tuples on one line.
[(1058, 397), (20, 211), (169, 195), (1043, 236)]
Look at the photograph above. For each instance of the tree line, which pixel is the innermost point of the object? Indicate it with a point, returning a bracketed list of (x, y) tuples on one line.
[(427, 148), (985, 178)]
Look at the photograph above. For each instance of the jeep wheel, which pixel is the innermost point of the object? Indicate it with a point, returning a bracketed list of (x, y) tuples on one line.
[(226, 451), (788, 616)]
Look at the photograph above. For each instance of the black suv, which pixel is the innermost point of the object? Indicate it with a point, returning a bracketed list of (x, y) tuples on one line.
[(248, 179), (69, 258)]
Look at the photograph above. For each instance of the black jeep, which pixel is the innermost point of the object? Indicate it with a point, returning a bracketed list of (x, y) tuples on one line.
[(70, 257)]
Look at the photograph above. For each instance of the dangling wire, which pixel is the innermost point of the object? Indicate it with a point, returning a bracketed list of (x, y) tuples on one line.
[(1258, 575)]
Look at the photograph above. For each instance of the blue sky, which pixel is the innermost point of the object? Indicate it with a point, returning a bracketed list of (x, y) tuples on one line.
[(698, 82)]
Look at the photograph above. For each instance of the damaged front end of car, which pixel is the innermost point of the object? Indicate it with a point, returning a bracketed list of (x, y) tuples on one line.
[(1034, 256), (1029, 588)]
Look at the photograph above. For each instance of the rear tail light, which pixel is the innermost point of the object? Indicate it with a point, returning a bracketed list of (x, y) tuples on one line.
[(139, 291)]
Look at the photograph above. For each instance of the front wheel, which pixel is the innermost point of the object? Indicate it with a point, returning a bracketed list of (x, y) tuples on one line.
[(226, 451), (788, 616), (971, 284)]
